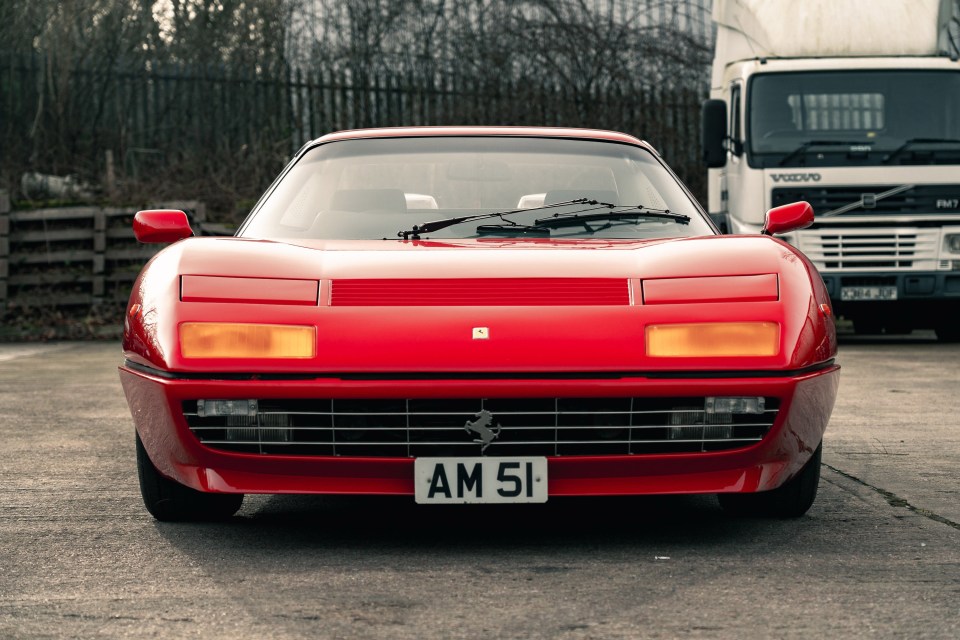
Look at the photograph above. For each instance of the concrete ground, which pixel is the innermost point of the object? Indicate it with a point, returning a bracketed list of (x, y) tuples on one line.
[(878, 555)]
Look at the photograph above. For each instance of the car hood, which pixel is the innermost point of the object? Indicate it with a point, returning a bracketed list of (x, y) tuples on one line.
[(414, 306), (335, 259)]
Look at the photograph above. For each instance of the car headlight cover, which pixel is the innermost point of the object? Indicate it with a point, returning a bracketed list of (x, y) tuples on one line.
[(713, 339), (239, 340)]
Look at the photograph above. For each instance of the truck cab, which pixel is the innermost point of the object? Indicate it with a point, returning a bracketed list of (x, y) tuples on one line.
[(871, 141)]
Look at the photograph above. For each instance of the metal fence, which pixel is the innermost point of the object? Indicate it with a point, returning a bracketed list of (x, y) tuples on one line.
[(242, 126), (63, 121)]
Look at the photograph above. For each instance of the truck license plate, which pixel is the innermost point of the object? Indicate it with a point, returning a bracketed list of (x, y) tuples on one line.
[(868, 293), (480, 480)]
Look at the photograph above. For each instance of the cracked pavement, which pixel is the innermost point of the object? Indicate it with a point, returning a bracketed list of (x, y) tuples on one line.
[(896, 424)]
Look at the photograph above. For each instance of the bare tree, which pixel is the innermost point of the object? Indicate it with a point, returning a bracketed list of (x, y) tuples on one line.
[(212, 95)]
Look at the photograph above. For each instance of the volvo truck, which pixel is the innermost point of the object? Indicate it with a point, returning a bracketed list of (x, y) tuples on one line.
[(853, 106)]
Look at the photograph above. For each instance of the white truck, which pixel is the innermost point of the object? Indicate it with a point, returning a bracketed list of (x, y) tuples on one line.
[(853, 106)]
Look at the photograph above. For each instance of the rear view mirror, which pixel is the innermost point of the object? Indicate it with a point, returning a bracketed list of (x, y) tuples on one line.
[(161, 225), (479, 170), (713, 133), (789, 217)]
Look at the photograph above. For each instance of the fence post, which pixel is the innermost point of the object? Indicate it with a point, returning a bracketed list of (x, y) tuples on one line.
[(99, 251), (4, 246)]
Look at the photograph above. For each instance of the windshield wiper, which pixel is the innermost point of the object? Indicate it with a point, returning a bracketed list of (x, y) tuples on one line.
[(512, 230), (822, 143), (912, 141), (436, 225), (627, 213)]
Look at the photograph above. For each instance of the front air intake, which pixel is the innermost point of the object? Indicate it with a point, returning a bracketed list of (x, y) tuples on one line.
[(442, 427), (483, 292)]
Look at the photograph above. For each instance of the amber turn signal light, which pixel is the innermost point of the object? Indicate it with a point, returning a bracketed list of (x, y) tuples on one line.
[(713, 339), (237, 340)]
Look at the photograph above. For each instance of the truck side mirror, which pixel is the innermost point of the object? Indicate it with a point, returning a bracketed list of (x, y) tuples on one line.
[(788, 217), (161, 225), (713, 133)]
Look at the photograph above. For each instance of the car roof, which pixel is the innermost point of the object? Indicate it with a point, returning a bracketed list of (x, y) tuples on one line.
[(529, 132)]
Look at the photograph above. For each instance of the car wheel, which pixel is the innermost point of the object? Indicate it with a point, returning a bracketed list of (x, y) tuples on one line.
[(790, 500), (170, 501)]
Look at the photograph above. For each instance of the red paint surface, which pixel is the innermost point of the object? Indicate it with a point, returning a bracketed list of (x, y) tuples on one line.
[(540, 132), (413, 338), (788, 217), (476, 292), (760, 288), (161, 226), (249, 290)]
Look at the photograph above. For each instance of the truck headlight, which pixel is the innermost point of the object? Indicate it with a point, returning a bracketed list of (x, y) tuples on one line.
[(952, 241)]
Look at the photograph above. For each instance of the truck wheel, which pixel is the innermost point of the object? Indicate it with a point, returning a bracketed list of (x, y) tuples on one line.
[(790, 500), (866, 326), (948, 332), (898, 328), (170, 501)]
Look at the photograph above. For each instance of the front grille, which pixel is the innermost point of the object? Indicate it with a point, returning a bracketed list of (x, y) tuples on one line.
[(866, 249), (438, 427), (869, 281), (487, 292), (921, 199)]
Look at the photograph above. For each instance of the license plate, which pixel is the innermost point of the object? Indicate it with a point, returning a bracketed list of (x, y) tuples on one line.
[(868, 293), (480, 480)]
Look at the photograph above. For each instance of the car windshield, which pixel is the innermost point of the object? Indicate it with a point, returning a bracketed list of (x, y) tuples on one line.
[(375, 188)]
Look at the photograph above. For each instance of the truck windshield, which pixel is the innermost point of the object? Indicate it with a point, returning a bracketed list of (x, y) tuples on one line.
[(863, 118)]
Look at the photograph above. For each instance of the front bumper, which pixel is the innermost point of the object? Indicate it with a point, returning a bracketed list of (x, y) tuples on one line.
[(806, 401), (913, 286)]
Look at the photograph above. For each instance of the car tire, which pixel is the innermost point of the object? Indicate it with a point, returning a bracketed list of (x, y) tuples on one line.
[(791, 500), (170, 501)]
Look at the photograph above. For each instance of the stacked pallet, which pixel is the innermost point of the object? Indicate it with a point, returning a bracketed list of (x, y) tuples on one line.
[(72, 256)]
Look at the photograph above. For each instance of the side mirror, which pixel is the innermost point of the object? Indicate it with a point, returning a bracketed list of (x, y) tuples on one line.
[(713, 133), (788, 217), (161, 225)]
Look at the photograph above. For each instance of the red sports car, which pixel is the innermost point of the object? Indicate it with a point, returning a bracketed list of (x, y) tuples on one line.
[(473, 315)]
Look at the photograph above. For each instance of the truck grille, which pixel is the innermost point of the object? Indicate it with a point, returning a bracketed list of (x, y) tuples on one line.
[(438, 427), (866, 249), (921, 199)]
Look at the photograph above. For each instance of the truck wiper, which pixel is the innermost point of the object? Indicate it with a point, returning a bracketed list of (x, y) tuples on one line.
[(436, 225), (821, 143), (912, 141), (626, 213)]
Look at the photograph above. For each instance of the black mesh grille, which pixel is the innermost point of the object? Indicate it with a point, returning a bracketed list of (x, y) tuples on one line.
[(440, 427), (926, 199)]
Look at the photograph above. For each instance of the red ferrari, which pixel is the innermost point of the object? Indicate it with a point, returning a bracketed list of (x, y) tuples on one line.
[(477, 315)]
